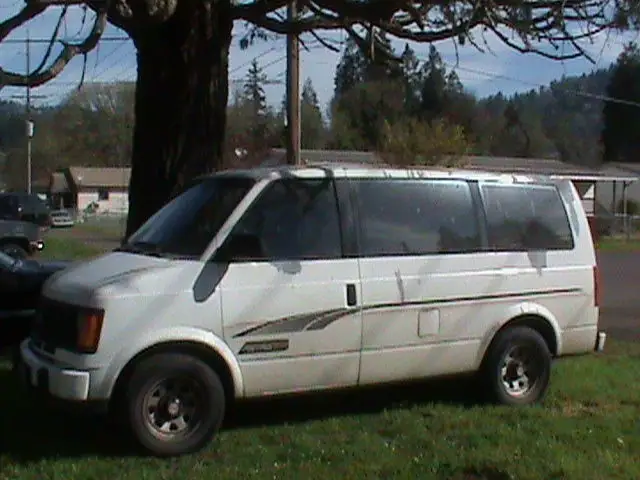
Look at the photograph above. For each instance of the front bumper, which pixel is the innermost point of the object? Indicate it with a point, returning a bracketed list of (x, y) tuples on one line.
[(42, 375)]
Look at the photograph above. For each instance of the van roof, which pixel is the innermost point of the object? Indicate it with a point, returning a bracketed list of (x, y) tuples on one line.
[(342, 170)]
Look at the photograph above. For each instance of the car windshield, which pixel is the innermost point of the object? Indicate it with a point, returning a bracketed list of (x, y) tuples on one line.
[(186, 225)]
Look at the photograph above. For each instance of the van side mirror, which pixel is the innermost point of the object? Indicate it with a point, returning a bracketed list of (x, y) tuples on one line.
[(241, 247)]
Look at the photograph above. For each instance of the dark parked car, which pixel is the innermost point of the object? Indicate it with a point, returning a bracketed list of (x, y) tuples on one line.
[(21, 282), (20, 239), (25, 207)]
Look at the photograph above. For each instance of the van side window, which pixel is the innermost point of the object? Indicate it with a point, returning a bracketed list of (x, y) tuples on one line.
[(293, 219), (416, 217), (526, 217)]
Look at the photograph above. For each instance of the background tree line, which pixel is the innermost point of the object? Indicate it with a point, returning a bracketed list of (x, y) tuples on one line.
[(414, 106)]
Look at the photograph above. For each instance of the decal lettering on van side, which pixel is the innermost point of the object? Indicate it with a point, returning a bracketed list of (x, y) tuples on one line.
[(267, 346), (322, 319)]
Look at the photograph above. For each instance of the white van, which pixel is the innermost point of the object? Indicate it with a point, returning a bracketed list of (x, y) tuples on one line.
[(292, 279)]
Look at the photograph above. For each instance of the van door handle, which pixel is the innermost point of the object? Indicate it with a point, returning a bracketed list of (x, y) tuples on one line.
[(351, 295)]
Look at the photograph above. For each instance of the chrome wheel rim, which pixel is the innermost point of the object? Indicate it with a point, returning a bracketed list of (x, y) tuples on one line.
[(518, 373), (173, 407)]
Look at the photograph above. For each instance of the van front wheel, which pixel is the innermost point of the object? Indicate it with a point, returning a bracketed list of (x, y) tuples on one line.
[(175, 404), (517, 367)]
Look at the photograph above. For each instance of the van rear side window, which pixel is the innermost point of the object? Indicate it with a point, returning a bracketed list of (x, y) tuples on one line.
[(526, 217), (416, 217)]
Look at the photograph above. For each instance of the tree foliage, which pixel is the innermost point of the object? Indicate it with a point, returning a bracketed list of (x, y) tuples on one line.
[(412, 141), (312, 127), (183, 49), (622, 119)]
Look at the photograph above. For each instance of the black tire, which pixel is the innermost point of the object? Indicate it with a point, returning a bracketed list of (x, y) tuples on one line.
[(14, 250), (200, 412), (502, 371)]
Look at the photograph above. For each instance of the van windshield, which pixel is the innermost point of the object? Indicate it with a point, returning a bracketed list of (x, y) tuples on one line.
[(185, 226)]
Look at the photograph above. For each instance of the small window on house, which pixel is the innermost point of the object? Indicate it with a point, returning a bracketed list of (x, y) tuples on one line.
[(103, 194)]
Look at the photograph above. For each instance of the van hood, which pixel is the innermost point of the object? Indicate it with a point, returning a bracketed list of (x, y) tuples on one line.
[(117, 274)]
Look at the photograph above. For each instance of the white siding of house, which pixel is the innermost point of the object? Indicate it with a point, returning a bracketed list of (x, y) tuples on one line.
[(587, 192), (118, 202)]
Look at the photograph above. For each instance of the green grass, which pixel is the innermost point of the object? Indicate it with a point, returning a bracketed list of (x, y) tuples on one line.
[(67, 249), (619, 244), (113, 230), (588, 428)]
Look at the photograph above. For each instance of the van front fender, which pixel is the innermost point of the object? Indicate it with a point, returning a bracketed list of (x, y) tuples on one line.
[(104, 386)]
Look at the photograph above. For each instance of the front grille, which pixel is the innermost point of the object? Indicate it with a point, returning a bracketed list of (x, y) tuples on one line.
[(55, 325)]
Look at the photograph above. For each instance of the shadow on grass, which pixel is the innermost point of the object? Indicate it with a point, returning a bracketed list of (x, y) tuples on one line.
[(361, 401), (33, 431)]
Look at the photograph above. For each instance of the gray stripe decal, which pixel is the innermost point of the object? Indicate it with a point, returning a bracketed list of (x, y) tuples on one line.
[(319, 320), (294, 323)]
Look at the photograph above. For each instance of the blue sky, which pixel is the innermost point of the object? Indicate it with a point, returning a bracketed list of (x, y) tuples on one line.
[(483, 73)]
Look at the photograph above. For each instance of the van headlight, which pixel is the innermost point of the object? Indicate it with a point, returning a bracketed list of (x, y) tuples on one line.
[(89, 328)]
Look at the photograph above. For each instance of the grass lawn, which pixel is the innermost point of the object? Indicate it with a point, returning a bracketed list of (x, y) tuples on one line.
[(619, 244), (67, 249), (588, 428), (112, 230)]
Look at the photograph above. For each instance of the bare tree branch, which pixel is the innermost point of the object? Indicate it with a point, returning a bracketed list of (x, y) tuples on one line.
[(532, 25), (534, 22), (28, 12), (69, 50), (52, 42)]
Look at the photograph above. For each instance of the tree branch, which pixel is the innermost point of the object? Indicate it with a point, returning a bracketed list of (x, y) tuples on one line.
[(29, 11), (533, 21), (69, 50)]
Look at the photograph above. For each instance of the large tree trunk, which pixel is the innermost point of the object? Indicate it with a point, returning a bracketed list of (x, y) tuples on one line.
[(180, 104)]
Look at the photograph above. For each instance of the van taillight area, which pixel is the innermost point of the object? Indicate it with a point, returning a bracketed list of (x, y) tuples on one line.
[(596, 286)]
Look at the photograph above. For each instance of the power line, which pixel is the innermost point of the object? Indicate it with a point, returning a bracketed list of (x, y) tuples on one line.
[(247, 63), (98, 60), (593, 96), (48, 40)]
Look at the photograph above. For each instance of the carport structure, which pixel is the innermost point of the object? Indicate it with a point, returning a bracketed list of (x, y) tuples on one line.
[(586, 180)]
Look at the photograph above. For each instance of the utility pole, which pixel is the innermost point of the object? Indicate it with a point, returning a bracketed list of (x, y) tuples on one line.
[(293, 90), (28, 123)]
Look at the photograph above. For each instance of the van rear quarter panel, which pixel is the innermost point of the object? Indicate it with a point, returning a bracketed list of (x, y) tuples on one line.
[(436, 314), (459, 302)]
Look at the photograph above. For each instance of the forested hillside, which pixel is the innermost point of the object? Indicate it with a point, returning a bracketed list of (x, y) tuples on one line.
[(372, 102)]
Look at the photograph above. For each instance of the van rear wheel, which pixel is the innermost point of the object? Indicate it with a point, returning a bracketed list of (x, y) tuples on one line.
[(175, 404), (517, 367)]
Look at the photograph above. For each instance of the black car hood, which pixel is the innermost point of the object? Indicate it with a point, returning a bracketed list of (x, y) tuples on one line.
[(27, 276), (36, 267)]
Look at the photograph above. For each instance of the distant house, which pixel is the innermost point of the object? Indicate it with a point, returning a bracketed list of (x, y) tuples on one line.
[(82, 188)]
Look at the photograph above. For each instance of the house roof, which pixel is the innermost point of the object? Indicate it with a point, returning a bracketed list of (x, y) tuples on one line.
[(552, 167), (633, 168), (278, 156), (58, 183), (96, 177), (531, 166), (111, 177)]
